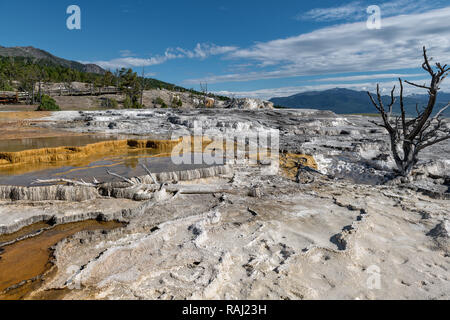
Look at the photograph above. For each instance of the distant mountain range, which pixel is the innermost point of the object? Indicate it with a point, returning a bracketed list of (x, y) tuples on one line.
[(41, 55), (345, 101)]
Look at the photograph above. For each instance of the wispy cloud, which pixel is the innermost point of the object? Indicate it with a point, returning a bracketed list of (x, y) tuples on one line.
[(363, 86), (347, 48), (370, 76), (129, 60), (352, 10), (126, 53), (202, 51), (356, 10)]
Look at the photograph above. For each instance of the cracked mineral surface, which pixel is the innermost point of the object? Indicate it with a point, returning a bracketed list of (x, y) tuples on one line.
[(341, 231)]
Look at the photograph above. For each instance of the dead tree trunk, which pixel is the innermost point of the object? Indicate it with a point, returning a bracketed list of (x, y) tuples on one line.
[(142, 86), (204, 90), (409, 136), (32, 91), (40, 92)]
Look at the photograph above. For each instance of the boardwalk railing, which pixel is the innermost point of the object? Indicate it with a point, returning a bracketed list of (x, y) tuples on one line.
[(10, 97), (17, 96), (84, 92)]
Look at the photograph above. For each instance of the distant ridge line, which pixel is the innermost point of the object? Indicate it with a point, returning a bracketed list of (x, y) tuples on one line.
[(346, 101)]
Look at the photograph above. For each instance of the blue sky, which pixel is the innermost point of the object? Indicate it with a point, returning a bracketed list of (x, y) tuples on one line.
[(246, 48)]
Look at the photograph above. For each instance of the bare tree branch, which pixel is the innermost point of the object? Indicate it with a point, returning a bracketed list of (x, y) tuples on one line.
[(62, 180), (149, 173), (120, 177), (438, 114), (418, 85), (408, 137)]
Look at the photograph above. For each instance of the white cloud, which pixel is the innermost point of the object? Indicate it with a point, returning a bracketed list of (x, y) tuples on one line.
[(201, 51), (385, 87), (130, 62), (347, 48), (352, 10), (126, 53), (356, 11), (370, 76)]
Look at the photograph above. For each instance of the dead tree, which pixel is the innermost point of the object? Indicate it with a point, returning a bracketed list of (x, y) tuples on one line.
[(142, 86), (410, 136), (128, 188), (204, 91)]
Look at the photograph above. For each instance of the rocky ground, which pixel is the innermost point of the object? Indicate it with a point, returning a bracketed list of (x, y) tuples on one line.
[(343, 146), (321, 241), (341, 233)]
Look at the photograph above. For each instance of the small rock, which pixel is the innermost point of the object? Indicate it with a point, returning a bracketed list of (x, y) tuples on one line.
[(255, 193), (52, 221), (102, 218), (441, 230), (425, 215), (196, 230)]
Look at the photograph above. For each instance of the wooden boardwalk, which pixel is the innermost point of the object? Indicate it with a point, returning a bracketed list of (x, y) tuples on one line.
[(13, 97), (9, 97)]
